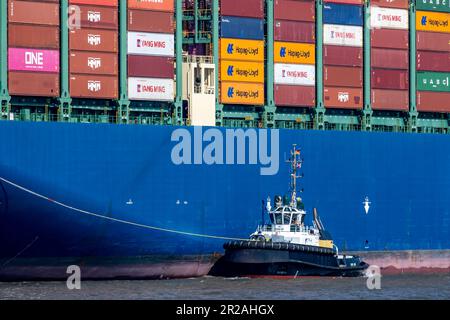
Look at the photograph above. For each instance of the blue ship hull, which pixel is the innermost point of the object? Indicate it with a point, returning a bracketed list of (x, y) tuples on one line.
[(110, 197)]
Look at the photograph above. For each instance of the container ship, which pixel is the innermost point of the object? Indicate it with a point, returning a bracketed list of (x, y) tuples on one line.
[(139, 136)]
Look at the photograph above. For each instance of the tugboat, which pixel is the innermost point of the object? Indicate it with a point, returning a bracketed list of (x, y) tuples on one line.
[(286, 246)]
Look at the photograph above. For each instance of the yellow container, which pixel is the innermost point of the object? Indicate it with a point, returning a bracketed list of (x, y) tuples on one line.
[(242, 93), (299, 53), (243, 50), (433, 21), (242, 71)]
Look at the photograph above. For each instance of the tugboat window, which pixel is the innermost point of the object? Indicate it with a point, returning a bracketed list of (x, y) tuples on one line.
[(278, 218), (287, 218)]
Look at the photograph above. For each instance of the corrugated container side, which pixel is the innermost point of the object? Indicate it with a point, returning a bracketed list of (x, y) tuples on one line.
[(342, 14), (399, 4), (238, 49), (343, 98), (153, 44), (294, 96), (94, 40), (294, 31), (33, 12), (161, 22), (290, 52), (342, 56), (432, 21), (433, 101), (33, 60), (242, 71), (241, 28), (295, 10), (389, 38), (151, 89), (433, 41), (389, 18), (33, 36), (437, 5), (242, 93), (86, 62), (239, 8), (433, 61), (343, 76), (159, 5), (295, 74), (94, 86), (99, 17), (395, 100), (339, 35), (390, 79), (150, 67), (390, 58), (433, 81), (360, 2), (108, 3), (33, 84)]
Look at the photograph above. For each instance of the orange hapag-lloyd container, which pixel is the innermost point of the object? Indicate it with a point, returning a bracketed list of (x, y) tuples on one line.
[(157, 5), (242, 93)]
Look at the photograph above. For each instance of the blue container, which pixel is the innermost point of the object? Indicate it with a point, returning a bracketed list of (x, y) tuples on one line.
[(241, 28), (345, 14)]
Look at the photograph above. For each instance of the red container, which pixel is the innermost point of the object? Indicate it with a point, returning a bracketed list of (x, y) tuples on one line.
[(85, 62), (433, 101), (242, 8), (433, 41), (343, 76), (162, 22), (343, 98), (294, 10), (390, 79), (94, 40), (36, 12), (294, 96), (342, 56), (390, 58), (27, 36), (33, 84), (99, 17), (108, 3), (294, 31), (389, 38), (150, 67), (399, 4), (395, 100), (433, 61), (94, 87)]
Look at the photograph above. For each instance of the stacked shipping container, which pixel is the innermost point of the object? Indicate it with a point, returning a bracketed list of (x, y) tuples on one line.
[(93, 56), (151, 50), (242, 52), (390, 59), (343, 54), (33, 54), (433, 55), (294, 53)]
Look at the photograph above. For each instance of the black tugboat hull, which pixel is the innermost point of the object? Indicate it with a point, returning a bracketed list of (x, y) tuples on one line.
[(255, 259)]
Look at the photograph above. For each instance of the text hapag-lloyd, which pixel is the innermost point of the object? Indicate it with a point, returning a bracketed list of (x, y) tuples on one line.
[(299, 54), (247, 51), (247, 72), (247, 94)]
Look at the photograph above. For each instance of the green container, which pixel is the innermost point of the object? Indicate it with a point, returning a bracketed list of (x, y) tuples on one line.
[(433, 81), (433, 5)]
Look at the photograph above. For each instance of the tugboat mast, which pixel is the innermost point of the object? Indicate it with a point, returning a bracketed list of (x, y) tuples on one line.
[(296, 163)]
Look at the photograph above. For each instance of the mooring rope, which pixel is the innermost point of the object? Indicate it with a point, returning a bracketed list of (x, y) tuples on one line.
[(135, 224)]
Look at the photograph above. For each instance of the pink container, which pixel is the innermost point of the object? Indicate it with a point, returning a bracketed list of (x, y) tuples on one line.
[(33, 60)]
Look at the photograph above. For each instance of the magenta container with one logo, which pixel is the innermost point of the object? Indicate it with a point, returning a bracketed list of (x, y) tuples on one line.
[(36, 60)]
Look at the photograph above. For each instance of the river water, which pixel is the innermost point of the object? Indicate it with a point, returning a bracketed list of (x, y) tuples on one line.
[(206, 288)]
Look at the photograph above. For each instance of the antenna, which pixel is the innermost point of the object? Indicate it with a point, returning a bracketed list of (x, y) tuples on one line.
[(296, 162)]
